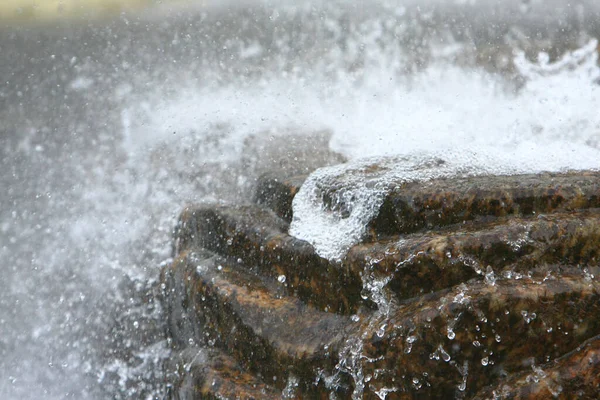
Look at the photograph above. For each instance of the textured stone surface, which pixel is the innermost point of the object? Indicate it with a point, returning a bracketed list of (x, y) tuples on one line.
[(490, 290), (574, 375), (277, 193), (210, 374), (460, 340), (424, 262), (260, 240), (268, 332), (429, 205)]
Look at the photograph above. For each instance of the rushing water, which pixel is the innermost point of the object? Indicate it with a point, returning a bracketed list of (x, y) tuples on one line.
[(108, 128)]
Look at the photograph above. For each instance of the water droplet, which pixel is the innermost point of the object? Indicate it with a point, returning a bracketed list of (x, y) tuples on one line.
[(527, 316), (364, 294), (281, 278), (409, 343), (229, 242), (355, 318), (417, 383), (444, 354), (451, 334), (485, 361), (498, 338), (490, 278)]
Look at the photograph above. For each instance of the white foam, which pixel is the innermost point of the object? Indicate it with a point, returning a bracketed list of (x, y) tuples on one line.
[(462, 118)]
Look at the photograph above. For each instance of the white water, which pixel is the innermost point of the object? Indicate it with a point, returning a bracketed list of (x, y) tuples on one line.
[(104, 143), (459, 118)]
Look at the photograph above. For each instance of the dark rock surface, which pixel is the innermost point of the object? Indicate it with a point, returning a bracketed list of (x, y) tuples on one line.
[(574, 375), (465, 288), (259, 239)]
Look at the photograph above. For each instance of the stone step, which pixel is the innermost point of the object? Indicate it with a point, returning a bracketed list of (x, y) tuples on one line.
[(269, 333), (260, 240), (207, 373), (416, 206), (447, 344), (574, 375), (277, 193), (412, 207), (417, 264), (453, 343)]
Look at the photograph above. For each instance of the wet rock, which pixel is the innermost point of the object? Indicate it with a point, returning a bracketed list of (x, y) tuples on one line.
[(210, 374), (277, 194), (259, 239), (574, 375), (269, 333), (424, 262), (467, 288), (430, 205), (453, 343)]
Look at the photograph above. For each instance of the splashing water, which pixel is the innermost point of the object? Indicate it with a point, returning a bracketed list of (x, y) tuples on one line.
[(549, 125), (106, 132)]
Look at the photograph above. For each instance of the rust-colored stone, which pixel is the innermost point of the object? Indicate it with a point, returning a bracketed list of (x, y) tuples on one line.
[(453, 343), (266, 331), (259, 238), (422, 263), (210, 374), (429, 205), (478, 280), (574, 375)]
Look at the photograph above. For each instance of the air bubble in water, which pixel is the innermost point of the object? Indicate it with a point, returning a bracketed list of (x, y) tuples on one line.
[(281, 278)]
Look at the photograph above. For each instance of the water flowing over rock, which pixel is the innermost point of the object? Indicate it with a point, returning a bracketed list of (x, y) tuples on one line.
[(458, 287)]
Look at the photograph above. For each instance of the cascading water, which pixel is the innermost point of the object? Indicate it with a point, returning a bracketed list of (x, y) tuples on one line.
[(108, 128)]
